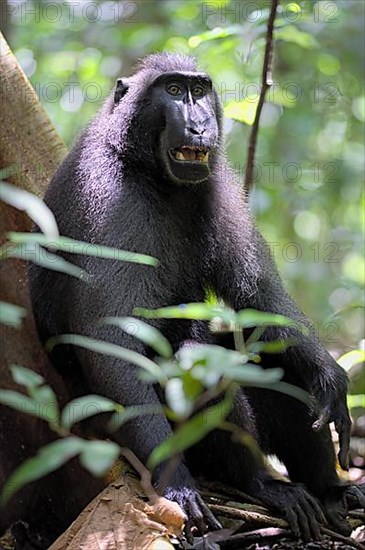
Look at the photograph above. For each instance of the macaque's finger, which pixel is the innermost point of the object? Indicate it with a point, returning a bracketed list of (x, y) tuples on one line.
[(322, 420)]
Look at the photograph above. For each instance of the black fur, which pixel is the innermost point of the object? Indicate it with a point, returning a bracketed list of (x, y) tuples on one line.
[(116, 188)]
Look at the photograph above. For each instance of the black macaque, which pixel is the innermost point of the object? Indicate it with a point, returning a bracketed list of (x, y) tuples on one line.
[(149, 175)]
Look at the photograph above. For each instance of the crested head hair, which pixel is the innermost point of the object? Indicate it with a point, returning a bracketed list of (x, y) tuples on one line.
[(166, 62)]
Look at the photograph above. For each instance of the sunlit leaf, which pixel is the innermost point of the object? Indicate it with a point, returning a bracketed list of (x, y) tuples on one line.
[(176, 398), (243, 111), (274, 346), (33, 206), (26, 377), (47, 402), (72, 246), (106, 348), (353, 267), (42, 402), (127, 413), (44, 258), (283, 387), (356, 401), (201, 311), (214, 34), (144, 332), (47, 460), (20, 402), (252, 374), (351, 358), (99, 456), (191, 432), (86, 406), (291, 33), (248, 318), (11, 315)]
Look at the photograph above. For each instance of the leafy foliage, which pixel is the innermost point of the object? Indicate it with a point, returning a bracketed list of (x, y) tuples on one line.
[(192, 377)]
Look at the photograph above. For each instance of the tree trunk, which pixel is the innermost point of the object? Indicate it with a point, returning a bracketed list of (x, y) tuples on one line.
[(28, 140), (30, 144)]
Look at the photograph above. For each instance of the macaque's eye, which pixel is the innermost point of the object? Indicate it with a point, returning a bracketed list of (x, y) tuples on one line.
[(173, 89), (198, 91)]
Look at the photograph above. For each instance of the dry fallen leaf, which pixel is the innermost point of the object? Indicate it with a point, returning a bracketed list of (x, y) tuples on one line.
[(118, 519)]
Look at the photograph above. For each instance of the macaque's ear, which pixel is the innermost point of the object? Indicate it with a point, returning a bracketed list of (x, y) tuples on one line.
[(121, 89)]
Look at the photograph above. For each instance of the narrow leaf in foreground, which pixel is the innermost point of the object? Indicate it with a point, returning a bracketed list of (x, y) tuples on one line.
[(144, 332), (86, 406), (36, 209), (191, 432), (196, 310), (100, 346), (44, 258), (11, 315), (26, 377), (99, 456), (71, 246), (47, 460)]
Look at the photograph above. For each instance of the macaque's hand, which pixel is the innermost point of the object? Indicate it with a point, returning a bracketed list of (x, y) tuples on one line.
[(332, 407)]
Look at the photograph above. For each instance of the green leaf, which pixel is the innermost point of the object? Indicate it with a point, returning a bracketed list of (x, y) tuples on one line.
[(214, 34), (356, 401), (47, 401), (209, 363), (42, 402), (86, 406), (47, 460), (191, 432), (128, 413), (28, 405), (20, 402), (351, 358), (99, 456), (273, 346), (26, 377), (112, 350), (199, 311), (11, 315), (216, 357), (248, 318), (243, 111), (72, 246), (176, 398), (144, 332), (33, 206), (291, 33), (44, 258), (284, 387), (193, 386), (252, 374)]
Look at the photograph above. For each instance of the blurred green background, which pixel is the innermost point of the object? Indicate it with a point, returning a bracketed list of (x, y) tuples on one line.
[(308, 193)]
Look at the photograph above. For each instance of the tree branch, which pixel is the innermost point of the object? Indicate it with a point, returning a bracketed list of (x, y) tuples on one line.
[(266, 83)]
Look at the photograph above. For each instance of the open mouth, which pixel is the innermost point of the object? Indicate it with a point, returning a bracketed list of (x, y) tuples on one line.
[(190, 154)]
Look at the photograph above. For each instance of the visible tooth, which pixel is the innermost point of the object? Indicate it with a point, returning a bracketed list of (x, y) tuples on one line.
[(189, 154), (200, 156), (179, 156), (206, 157)]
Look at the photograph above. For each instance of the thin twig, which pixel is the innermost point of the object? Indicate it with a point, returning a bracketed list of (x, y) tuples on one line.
[(144, 473), (337, 536), (258, 536), (266, 83), (251, 517), (218, 487)]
